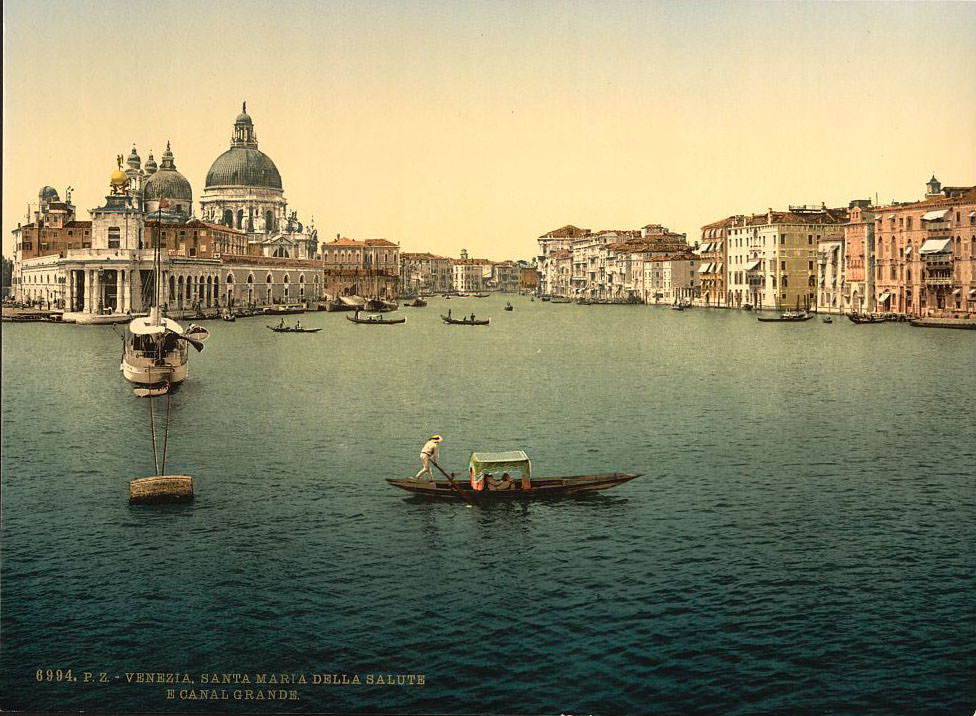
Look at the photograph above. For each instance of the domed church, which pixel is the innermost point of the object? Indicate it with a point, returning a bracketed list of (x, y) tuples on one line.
[(243, 191)]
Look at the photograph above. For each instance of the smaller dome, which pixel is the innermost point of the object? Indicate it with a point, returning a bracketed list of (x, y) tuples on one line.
[(134, 161), (151, 165), (48, 193)]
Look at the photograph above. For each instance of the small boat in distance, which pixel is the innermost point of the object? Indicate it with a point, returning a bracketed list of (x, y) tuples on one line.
[(786, 317), (297, 328), (828, 319), (507, 476), (866, 318), (227, 315), (509, 306), (375, 320), (417, 303), (470, 321)]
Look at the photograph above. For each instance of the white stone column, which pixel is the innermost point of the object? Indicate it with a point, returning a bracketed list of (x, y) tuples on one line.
[(119, 291)]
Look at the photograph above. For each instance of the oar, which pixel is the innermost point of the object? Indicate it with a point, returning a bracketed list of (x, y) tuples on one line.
[(466, 498)]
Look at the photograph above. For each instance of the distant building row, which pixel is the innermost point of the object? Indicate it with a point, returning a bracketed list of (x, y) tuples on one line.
[(651, 265)]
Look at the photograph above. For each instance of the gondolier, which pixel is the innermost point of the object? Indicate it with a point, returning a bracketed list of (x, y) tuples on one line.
[(430, 451)]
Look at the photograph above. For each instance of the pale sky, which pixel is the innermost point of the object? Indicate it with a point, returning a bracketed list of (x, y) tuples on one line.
[(482, 125)]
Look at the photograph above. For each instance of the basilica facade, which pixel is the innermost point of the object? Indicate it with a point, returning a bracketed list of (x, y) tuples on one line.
[(245, 249)]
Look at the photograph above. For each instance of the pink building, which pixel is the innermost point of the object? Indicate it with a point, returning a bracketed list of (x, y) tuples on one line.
[(859, 258), (925, 251)]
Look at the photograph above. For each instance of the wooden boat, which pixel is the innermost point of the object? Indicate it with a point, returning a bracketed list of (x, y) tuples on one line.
[(963, 323), (417, 303), (546, 298), (375, 320), (378, 305), (507, 476), (282, 310), (228, 316), (509, 307), (293, 329), (828, 319), (866, 318), (677, 307), (560, 299), (786, 317), (465, 321), (345, 303), (480, 295)]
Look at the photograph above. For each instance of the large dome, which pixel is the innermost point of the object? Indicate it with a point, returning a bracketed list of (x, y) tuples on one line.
[(244, 166)]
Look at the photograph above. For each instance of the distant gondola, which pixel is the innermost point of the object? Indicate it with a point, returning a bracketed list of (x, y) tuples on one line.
[(786, 317), (375, 320), (866, 318), (291, 329), (465, 321)]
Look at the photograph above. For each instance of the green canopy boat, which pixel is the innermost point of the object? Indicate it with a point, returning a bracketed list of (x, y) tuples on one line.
[(507, 475)]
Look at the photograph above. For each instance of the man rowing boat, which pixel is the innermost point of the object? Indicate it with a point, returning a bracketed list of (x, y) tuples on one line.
[(430, 451)]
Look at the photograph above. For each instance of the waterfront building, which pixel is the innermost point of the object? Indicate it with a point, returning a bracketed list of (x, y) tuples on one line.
[(106, 265), (859, 257), (528, 277), (361, 268), (470, 275), (505, 276), (925, 254), (425, 272), (831, 282), (551, 246), (713, 257), (772, 256), (668, 278), (244, 191)]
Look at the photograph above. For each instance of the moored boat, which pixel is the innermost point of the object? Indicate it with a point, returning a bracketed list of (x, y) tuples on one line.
[(417, 303), (293, 329), (866, 318), (786, 317), (156, 349), (963, 323)]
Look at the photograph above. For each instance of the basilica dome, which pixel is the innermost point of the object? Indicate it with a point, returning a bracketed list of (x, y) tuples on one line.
[(244, 164), (167, 183)]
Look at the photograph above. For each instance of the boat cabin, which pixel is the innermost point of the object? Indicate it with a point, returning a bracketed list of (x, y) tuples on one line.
[(495, 471)]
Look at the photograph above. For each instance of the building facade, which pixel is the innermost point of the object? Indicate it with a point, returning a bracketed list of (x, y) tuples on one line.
[(925, 250)]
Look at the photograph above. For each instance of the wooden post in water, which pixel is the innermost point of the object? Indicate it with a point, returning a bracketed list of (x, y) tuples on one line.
[(158, 489)]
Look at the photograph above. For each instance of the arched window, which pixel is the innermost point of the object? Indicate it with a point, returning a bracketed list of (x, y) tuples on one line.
[(812, 281), (250, 278), (268, 278), (172, 289), (228, 219), (269, 221), (240, 218), (230, 278)]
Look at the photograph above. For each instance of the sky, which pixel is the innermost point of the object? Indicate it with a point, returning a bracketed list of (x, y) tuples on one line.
[(482, 125)]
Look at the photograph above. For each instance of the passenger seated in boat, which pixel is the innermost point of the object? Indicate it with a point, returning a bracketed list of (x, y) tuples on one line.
[(472, 318), (502, 483), (281, 323), (298, 325)]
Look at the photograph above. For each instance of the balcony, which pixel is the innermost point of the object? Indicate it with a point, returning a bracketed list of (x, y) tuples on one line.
[(938, 280)]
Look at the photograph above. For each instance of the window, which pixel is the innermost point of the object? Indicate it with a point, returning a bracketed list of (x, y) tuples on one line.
[(782, 238), (784, 282), (114, 237), (809, 238), (782, 265), (809, 265)]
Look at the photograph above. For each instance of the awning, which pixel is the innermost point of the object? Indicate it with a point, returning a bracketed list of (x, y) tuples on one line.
[(936, 246), (753, 265), (956, 292), (884, 297), (718, 266), (706, 248), (934, 215), (891, 216), (908, 250), (972, 294), (703, 268)]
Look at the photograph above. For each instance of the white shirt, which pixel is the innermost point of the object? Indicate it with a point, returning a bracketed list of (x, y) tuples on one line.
[(430, 450)]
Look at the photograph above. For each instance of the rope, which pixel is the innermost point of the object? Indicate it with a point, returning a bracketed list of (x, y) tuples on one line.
[(166, 430), (152, 427)]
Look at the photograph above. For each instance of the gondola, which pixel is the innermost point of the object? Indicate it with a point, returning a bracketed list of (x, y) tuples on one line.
[(787, 317), (540, 488), (290, 329), (509, 307), (417, 303), (465, 321), (375, 320), (506, 476), (866, 318)]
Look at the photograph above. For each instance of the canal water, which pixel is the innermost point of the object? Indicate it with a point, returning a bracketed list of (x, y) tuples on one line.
[(801, 540)]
